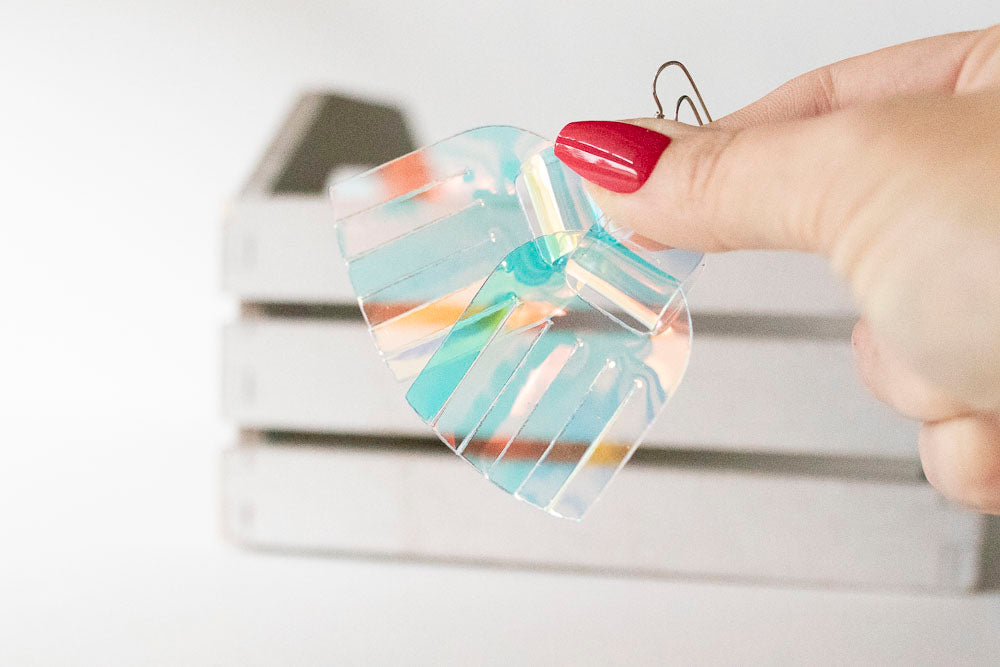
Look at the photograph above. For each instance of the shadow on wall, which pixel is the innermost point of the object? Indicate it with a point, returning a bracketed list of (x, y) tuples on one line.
[(990, 574)]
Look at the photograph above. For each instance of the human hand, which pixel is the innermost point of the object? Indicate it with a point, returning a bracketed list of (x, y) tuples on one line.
[(888, 165)]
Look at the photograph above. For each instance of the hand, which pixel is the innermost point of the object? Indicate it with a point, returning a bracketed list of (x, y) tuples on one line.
[(887, 164)]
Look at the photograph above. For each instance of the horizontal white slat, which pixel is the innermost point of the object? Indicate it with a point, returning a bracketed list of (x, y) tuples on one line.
[(652, 520), (789, 396), (285, 249)]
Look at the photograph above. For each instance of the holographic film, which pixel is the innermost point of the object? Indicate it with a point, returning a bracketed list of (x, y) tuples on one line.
[(535, 337)]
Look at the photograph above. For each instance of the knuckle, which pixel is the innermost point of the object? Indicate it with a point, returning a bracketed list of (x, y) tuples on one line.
[(702, 182), (981, 66), (850, 213), (815, 92), (823, 90)]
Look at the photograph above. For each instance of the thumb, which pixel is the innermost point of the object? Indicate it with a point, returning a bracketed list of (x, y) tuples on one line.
[(777, 186)]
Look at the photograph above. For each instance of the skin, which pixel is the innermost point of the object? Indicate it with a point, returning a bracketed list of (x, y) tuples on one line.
[(888, 165)]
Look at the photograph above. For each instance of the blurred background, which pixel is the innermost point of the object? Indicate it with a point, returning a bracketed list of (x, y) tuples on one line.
[(126, 129)]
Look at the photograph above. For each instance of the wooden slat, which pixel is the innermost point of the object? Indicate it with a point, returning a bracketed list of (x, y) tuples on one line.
[(788, 395), (681, 522), (284, 249)]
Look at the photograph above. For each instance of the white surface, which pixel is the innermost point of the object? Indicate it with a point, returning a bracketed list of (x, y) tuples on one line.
[(124, 126), (219, 607)]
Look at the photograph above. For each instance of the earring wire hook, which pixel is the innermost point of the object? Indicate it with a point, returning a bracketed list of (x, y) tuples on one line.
[(680, 102), (683, 98)]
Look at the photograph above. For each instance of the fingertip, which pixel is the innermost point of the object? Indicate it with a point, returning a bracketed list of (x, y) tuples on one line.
[(704, 189), (615, 155), (894, 382), (961, 459)]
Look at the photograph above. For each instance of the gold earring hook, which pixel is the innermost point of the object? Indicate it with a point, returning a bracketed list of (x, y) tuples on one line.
[(683, 98), (680, 102)]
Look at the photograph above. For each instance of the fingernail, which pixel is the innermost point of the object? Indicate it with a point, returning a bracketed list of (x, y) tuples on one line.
[(616, 156)]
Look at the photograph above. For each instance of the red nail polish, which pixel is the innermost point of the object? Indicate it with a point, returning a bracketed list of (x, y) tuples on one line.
[(616, 156)]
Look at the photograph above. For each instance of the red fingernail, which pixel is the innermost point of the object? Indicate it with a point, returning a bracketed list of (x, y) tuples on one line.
[(616, 156)]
